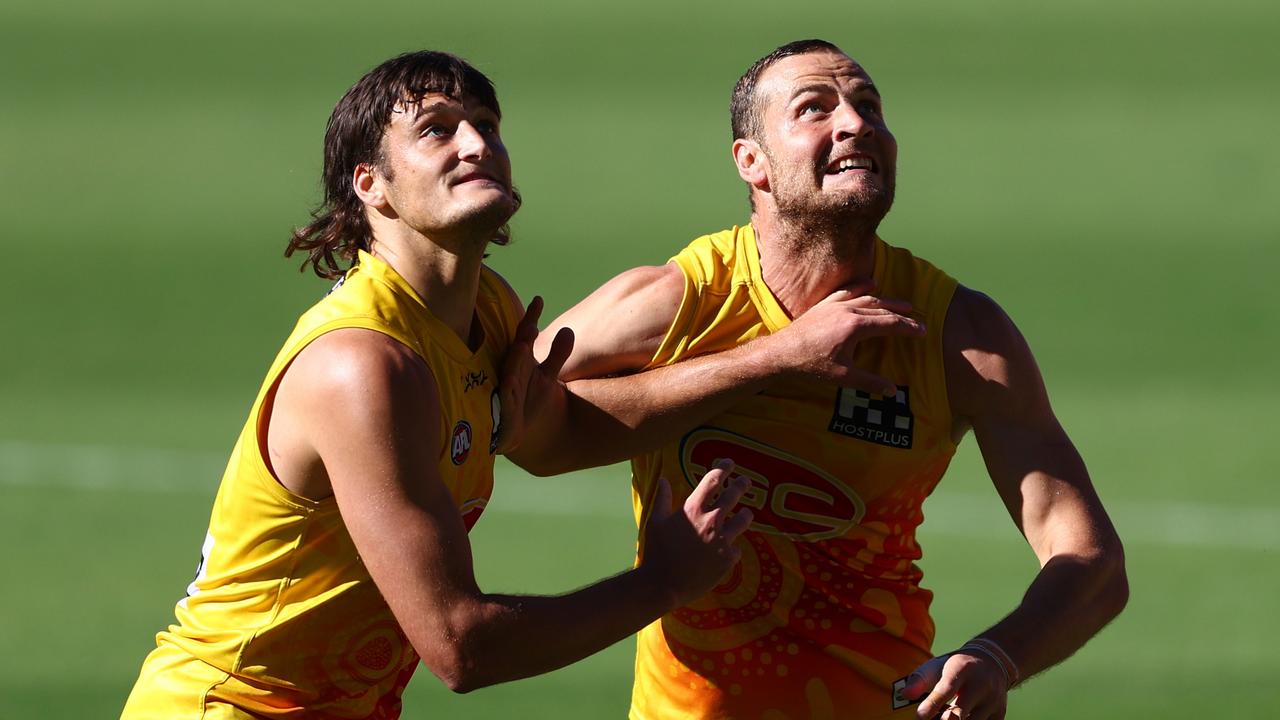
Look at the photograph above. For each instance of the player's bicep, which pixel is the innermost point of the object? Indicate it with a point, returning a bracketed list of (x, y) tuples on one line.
[(996, 386), (1044, 484), (619, 327), (378, 437)]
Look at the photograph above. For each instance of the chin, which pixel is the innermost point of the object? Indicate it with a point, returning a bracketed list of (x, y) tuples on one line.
[(484, 218)]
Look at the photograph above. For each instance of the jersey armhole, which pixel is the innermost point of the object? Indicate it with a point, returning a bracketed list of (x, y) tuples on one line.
[(945, 288), (676, 337), (261, 419)]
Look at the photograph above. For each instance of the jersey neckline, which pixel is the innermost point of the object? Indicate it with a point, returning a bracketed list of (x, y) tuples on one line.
[(441, 334), (771, 311)]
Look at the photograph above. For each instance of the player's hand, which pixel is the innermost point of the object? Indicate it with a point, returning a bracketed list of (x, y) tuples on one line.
[(690, 550), (526, 383), (821, 342), (958, 686)]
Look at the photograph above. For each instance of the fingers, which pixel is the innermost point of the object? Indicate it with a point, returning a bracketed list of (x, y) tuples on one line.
[(937, 700), (731, 491), (961, 710), (736, 525), (849, 292), (888, 323), (511, 416), (964, 692), (712, 483), (859, 297), (872, 304), (527, 330), (561, 349), (513, 385)]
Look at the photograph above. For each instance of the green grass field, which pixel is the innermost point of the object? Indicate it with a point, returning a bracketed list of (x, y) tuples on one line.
[(1102, 169)]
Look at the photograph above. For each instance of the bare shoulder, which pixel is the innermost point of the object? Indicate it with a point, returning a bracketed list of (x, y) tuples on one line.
[(975, 320), (349, 363), (619, 327), (350, 390), (989, 366)]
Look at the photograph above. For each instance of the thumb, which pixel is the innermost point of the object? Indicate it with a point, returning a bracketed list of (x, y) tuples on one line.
[(561, 349), (916, 687), (923, 679)]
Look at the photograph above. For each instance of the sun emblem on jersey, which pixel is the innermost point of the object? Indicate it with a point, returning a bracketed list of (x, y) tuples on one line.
[(360, 655), (789, 496), (460, 444)]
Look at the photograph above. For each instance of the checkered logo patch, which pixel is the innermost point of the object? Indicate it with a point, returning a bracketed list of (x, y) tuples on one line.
[(882, 420), (899, 700)]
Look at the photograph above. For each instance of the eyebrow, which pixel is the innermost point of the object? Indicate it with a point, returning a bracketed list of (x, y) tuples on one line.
[(826, 88), (420, 110), (445, 107)]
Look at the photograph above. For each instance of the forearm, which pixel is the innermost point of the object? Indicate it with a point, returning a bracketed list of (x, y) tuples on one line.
[(599, 421), (508, 637), (1069, 601)]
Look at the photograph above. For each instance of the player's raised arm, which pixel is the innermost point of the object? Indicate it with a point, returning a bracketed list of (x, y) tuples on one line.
[(366, 411), (995, 387), (611, 411)]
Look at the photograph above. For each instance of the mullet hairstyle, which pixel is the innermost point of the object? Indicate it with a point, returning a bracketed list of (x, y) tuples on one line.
[(744, 111), (339, 227)]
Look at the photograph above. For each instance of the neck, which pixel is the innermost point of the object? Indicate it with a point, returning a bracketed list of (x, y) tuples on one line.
[(445, 272), (802, 264)]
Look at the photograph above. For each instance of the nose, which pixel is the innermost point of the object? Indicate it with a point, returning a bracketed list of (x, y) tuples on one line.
[(472, 144), (849, 124)]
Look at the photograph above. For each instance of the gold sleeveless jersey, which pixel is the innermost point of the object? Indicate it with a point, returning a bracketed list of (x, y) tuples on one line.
[(825, 611), (283, 618)]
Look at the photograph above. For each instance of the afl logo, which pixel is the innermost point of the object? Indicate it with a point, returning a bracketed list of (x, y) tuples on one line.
[(790, 497), (460, 445)]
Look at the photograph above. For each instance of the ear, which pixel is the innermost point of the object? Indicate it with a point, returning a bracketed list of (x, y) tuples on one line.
[(369, 186), (752, 163)]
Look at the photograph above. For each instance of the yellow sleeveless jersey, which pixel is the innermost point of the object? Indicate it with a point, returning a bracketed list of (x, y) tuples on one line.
[(283, 618), (825, 611)]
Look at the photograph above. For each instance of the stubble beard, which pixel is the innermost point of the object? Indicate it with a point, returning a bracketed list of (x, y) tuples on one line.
[(858, 213), (481, 223)]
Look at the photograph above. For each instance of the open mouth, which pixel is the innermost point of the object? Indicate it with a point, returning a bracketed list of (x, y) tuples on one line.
[(851, 163)]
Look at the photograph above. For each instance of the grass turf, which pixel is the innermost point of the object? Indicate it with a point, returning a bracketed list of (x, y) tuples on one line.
[(1103, 171)]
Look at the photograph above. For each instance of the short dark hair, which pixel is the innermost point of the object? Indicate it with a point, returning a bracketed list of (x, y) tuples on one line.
[(744, 111), (339, 228)]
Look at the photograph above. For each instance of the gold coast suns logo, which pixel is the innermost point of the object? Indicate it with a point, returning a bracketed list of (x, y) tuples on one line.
[(460, 443), (788, 496)]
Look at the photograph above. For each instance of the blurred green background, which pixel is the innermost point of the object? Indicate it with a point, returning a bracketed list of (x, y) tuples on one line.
[(1108, 171)]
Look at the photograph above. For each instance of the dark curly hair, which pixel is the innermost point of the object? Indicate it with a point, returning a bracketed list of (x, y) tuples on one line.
[(339, 228)]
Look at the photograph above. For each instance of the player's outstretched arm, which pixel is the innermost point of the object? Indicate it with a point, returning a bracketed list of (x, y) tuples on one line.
[(369, 408), (995, 387), (604, 410)]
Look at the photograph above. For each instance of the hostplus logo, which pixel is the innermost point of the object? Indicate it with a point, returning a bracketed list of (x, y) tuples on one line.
[(875, 418)]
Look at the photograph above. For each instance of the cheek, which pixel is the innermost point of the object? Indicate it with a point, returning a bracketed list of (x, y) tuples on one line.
[(890, 144), (499, 151)]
